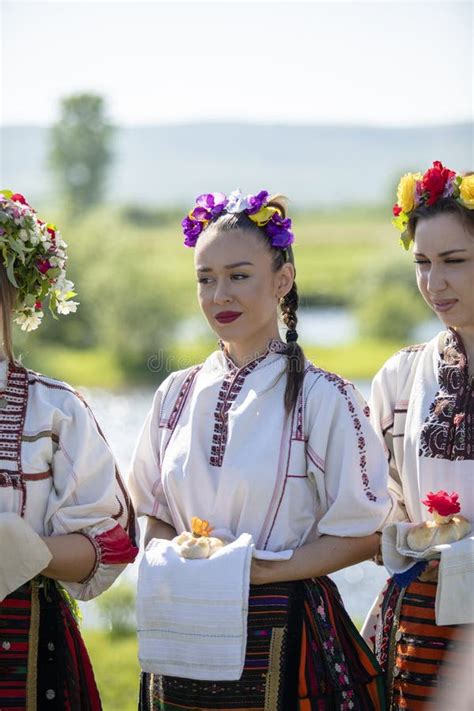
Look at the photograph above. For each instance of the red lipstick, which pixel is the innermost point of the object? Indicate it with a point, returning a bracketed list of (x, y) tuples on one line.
[(227, 316)]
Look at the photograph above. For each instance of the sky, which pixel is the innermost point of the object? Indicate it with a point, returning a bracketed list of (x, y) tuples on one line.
[(372, 63)]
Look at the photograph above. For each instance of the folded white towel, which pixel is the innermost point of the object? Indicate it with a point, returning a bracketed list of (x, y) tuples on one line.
[(454, 602), (396, 553), (192, 614), (454, 597)]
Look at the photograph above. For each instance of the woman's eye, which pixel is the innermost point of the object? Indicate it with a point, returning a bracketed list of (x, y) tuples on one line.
[(238, 277), (204, 280), (421, 261), (455, 261)]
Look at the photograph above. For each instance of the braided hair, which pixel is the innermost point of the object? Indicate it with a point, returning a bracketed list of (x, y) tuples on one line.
[(288, 304)]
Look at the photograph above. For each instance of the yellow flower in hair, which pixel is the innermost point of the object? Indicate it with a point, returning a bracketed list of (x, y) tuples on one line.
[(466, 191), (264, 215), (406, 191), (200, 527)]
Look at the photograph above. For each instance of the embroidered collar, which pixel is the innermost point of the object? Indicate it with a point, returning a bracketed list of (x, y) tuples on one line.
[(274, 346), (448, 431)]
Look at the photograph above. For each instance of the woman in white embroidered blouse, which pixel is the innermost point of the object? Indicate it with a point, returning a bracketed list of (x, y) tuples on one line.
[(259, 441), (64, 512), (422, 407)]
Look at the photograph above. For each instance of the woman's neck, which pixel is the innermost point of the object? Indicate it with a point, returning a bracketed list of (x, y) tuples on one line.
[(467, 337), (243, 353)]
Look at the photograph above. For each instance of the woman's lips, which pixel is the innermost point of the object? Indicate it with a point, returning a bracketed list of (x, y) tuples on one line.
[(442, 306), (227, 316)]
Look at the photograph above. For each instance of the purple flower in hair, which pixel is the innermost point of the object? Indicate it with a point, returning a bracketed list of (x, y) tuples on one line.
[(191, 230), (211, 203), (449, 188), (279, 231), (256, 202)]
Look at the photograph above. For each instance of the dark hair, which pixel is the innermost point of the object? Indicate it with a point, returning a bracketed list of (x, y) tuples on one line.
[(288, 304), (8, 298), (443, 206)]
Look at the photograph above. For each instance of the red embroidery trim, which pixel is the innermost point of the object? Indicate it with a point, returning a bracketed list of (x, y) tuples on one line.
[(341, 385)]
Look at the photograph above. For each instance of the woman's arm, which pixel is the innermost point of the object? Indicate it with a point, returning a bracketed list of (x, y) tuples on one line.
[(321, 557), (158, 529), (74, 557)]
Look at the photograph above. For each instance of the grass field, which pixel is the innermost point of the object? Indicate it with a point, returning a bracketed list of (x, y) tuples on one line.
[(116, 669)]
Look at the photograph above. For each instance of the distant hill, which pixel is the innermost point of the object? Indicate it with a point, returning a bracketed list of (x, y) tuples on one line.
[(313, 165)]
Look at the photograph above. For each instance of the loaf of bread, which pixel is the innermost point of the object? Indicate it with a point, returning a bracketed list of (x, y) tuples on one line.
[(194, 547), (430, 533)]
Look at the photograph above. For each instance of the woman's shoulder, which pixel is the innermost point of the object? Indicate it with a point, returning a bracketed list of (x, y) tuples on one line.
[(326, 387), (47, 390), (403, 363)]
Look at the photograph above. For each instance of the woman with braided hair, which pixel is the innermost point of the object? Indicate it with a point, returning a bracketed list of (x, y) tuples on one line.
[(278, 456)]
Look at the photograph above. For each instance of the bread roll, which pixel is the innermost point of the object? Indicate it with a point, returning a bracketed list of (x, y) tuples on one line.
[(197, 547), (428, 534)]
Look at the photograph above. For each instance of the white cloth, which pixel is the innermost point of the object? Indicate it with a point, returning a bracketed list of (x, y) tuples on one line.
[(192, 614), (283, 480), (397, 555), (23, 554), (68, 480), (454, 596)]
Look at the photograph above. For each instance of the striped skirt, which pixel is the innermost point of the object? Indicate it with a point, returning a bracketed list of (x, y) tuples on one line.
[(417, 655), (43, 661), (303, 654)]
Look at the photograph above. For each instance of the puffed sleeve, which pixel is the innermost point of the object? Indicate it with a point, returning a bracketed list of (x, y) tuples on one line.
[(89, 496), (144, 482), (347, 460), (383, 397)]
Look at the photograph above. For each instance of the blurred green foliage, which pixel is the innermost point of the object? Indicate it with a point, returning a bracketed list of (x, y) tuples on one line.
[(116, 669), (81, 150), (387, 303), (116, 609)]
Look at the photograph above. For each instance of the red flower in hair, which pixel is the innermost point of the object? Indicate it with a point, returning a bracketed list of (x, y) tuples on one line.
[(442, 503), (396, 210), (434, 181), (17, 197)]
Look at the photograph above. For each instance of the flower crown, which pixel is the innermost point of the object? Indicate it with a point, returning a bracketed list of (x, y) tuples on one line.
[(34, 257), (256, 207), (415, 189)]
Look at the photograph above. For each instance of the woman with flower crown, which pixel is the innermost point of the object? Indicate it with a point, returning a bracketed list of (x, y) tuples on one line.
[(66, 522), (278, 456), (422, 406)]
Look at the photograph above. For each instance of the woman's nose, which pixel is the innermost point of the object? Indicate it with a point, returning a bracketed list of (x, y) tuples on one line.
[(221, 293), (436, 279)]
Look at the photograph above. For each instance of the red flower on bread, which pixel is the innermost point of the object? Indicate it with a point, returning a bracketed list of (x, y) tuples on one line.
[(442, 503)]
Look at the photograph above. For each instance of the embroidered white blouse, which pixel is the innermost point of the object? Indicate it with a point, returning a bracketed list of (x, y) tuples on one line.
[(58, 473), (422, 406), (217, 444)]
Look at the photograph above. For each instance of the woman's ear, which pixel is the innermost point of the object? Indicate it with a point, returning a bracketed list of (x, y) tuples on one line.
[(285, 279)]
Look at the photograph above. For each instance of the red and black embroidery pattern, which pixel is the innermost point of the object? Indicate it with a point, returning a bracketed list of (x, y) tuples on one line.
[(341, 385), (448, 431), (230, 388), (12, 421)]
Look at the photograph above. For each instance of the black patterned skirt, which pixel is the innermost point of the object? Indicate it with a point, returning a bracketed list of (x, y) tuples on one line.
[(303, 654), (43, 660), (419, 657)]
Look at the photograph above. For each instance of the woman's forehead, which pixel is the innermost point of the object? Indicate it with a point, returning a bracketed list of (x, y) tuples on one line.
[(221, 248)]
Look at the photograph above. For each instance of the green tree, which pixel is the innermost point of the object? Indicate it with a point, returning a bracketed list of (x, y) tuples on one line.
[(81, 149)]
